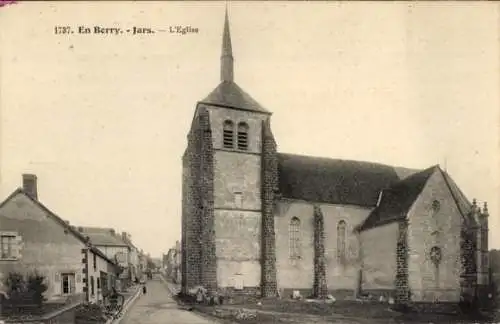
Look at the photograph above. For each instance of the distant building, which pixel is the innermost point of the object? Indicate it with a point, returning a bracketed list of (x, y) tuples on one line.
[(33, 238), (115, 247), (143, 264), (172, 263), (257, 221)]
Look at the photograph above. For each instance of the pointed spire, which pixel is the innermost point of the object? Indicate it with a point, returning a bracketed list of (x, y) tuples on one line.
[(227, 69)]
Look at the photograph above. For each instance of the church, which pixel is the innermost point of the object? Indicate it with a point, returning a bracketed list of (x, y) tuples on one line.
[(259, 222)]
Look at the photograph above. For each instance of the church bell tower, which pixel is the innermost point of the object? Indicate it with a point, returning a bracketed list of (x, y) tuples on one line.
[(229, 179)]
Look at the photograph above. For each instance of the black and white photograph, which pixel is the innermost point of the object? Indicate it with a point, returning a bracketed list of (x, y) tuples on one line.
[(249, 162)]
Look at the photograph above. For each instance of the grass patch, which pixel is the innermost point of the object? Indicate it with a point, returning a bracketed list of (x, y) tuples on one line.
[(372, 312), (240, 316)]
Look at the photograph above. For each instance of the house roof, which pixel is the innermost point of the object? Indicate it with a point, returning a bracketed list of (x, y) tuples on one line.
[(228, 94), (103, 236), (334, 181), (396, 201), (60, 221)]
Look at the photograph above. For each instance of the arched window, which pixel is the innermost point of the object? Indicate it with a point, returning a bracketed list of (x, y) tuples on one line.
[(242, 136), (228, 134), (294, 233), (436, 257), (341, 242)]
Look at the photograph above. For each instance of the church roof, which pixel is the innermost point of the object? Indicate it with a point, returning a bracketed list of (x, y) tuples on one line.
[(398, 199), (229, 94), (463, 204), (334, 181)]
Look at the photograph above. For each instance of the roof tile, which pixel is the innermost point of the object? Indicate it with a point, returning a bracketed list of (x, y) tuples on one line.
[(332, 180)]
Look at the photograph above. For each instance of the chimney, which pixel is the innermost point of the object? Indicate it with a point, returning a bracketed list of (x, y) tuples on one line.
[(30, 185), (112, 231), (125, 237)]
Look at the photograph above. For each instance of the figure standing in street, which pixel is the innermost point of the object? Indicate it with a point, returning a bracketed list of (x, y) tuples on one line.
[(144, 289)]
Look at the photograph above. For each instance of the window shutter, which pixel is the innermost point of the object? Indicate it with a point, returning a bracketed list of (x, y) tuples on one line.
[(57, 277), (72, 283)]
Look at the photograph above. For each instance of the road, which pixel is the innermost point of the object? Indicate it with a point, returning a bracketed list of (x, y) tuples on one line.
[(158, 307)]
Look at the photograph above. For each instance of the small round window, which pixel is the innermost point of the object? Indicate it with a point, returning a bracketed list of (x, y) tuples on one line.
[(435, 206)]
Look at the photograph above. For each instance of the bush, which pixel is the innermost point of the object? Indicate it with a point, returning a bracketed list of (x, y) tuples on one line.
[(36, 285), (90, 313), (25, 290), (15, 282)]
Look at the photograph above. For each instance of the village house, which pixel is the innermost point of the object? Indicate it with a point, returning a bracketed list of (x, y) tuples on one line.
[(172, 263), (257, 221), (143, 263), (33, 238), (116, 247), (133, 258)]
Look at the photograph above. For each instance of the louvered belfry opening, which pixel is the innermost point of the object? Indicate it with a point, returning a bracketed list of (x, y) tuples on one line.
[(228, 134), (242, 136)]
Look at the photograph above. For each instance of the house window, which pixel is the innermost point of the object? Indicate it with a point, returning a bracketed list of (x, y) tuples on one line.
[(242, 136), (8, 246), (98, 284), (294, 233), (95, 261), (67, 283), (341, 242), (228, 134)]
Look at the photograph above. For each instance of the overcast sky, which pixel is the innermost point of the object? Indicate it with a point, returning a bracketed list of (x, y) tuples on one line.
[(102, 120)]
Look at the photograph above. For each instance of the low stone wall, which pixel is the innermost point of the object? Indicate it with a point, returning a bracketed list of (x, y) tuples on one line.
[(67, 316), (64, 315)]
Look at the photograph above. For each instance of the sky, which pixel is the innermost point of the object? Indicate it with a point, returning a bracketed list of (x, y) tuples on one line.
[(102, 120)]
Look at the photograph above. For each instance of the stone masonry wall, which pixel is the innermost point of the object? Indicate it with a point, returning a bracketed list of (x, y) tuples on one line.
[(342, 276), (378, 249), (184, 216), (237, 248), (191, 240), (237, 203), (298, 273), (206, 187), (430, 228), (269, 189), (468, 260), (401, 280), (320, 289)]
